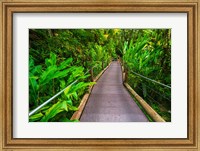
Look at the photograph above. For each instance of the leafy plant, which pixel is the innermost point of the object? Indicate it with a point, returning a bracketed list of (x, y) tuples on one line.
[(42, 81), (57, 57)]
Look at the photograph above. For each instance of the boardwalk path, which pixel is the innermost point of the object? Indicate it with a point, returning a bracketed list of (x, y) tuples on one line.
[(110, 101)]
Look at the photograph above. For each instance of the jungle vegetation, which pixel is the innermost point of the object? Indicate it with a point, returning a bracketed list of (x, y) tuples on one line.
[(58, 57)]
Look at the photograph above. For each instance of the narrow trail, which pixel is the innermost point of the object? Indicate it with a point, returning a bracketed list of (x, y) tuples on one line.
[(110, 101)]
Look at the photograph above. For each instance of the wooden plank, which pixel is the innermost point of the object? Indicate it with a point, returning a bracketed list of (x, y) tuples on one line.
[(78, 113)]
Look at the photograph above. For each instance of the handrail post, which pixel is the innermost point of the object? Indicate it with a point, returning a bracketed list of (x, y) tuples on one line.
[(92, 75), (126, 73)]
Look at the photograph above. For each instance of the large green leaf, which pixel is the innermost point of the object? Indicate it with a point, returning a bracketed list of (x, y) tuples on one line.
[(52, 60), (61, 74), (67, 90), (72, 108), (35, 117), (54, 110), (37, 70), (69, 102), (81, 85), (65, 64), (48, 75), (77, 72), (62, 84)]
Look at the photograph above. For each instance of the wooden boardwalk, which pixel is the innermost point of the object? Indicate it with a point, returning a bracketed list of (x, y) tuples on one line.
[(110, 101)]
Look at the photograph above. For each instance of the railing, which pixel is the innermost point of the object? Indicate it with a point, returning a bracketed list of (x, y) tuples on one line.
[(100, 66), (49, 100), (163, 96), (150, 111), (125, 78), (151, 80), (56, 95), (77, 114)]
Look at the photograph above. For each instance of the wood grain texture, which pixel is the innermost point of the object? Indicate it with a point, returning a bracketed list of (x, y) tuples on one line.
[(78, 113), (198, 76), (1, 78), (191, 7)]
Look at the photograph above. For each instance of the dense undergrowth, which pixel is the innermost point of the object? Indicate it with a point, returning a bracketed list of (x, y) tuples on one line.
[(148, 53), (58, 57)]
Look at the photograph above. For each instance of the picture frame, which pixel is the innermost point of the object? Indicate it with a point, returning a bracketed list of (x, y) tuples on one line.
[(8, 7)]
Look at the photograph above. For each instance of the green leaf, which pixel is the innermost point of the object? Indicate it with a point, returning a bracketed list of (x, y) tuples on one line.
[(52, 60), (48, 75), (34, 86), (65, 64), (35, 117), (72, 108), (31, 63), (77, 72), (62, 84), (83, 77), (61, 74), (67, 90), (69, 102), (37, 70), (54, 110), (81, 85), (75, 95)]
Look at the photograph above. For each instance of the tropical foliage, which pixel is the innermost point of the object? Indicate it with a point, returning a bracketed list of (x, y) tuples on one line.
[(148, 53), (58, 57)]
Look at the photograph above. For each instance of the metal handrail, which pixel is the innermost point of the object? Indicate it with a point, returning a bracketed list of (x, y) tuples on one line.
[(151, 80), (49, 100)]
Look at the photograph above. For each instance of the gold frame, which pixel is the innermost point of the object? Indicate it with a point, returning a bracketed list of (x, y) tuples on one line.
[(191, 7)]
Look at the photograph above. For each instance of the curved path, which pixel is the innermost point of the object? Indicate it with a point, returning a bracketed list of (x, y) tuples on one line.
[(110, 101)]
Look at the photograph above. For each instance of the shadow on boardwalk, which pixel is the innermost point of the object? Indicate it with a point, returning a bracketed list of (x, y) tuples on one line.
[(110, 101)]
